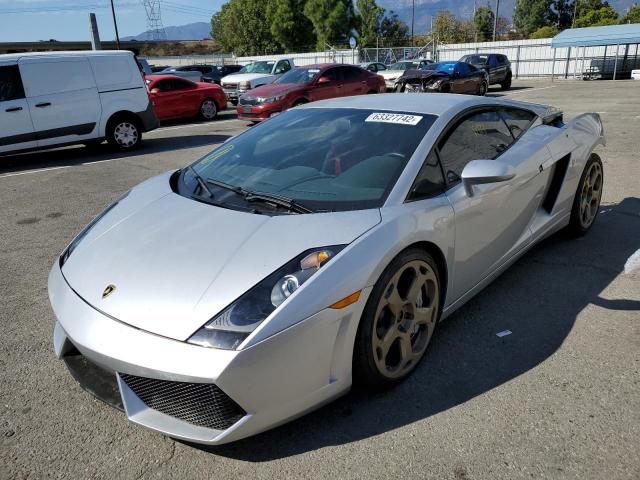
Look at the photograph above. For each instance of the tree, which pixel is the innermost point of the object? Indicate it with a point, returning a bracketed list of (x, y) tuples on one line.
[(332, 20), (290, 28), (394, 31), (633, 15), (596, 18), (369, 21), (243, 27), (483, 21), (449, 29), (544, 32), (530, 15), (564, 13)]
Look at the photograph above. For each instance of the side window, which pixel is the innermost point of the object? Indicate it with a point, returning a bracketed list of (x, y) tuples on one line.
[(380, 67), (283, 66), (481, 136), (517, 120), (372, 68), (333, 74), (179, 85), (462, 69), (351, 73), (429, 181), (163, 85), (502, 60), (493, 61), (10, 84)]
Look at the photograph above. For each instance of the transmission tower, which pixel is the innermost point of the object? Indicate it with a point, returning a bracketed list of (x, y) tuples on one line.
[(154, 20)]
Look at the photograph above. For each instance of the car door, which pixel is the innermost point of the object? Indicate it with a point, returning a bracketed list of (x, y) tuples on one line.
[(16, 128), (355, 82), (459, 82), (494, 73), (331, 89), (63, 98), (164, 102), (493, 224)]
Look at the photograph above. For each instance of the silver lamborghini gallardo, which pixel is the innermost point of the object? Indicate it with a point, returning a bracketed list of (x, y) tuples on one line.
[(314, 251)]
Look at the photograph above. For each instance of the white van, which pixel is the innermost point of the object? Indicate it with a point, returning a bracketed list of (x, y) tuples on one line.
[(50, 99)]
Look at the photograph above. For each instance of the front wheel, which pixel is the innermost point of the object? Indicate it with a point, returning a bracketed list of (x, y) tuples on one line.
[(398, 320), (586, 202), (124, 133), (208, 109), (482, 89)]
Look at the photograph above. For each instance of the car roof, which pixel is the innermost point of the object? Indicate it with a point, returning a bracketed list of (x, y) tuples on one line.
[(78, 53), (428, 103), (164, 76)]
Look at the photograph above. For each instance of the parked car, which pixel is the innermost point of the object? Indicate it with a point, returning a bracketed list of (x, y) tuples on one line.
[(374, 66), (395, 71), (158, 68), (496, 65), (446, 77), (49, 99), (304, 85), (316, 250), (252, 76), (190, 72), (218, 72), (175, 97)]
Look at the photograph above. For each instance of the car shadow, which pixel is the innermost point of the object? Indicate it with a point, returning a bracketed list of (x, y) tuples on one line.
[(79, 154), (537, 299)]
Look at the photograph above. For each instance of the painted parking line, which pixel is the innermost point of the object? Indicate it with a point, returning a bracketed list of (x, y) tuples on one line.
[(527, 90), (191, 125)]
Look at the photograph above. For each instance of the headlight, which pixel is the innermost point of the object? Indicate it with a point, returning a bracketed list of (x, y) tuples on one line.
[(76, 241), (270, 99), (435, 85), (229, 328), (244, 86)]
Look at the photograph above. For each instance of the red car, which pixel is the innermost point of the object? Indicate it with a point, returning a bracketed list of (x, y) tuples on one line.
[(307, 84), (175, 97)]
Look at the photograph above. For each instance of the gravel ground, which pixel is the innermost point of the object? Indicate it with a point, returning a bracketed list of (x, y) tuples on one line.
[(558, 398)]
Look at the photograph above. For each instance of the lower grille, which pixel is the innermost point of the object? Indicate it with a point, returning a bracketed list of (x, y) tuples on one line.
[(248, 101), (99, 382), (202, 404)]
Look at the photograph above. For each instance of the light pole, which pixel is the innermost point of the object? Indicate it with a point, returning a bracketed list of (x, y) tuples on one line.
[(115, 25), (495, 20), (413, 19)]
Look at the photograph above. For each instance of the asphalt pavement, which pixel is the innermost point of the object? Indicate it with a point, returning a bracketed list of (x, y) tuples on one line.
[(559, 397)]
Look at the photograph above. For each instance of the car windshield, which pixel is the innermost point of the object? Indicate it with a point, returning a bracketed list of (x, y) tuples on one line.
[(402, 66), (444, 67), (257, 67), (475, 59), (324, 159), (299, 75)]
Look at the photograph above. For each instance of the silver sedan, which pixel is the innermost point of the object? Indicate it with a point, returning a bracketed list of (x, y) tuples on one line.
[(314, 251)]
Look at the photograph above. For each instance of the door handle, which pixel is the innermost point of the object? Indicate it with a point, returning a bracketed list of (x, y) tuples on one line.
[(13, 109), (42, 105)]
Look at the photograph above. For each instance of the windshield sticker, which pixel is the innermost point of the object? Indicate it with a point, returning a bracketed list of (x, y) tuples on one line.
[(397, 118), (216, 154)]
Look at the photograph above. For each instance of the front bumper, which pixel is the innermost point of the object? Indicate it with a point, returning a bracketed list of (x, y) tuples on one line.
[(273, 381), (233, 94), (258, 113)]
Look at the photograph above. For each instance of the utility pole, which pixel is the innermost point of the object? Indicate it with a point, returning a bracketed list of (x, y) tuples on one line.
[(495, 20), (413, 19), (115, 25), (93, 29), (575, 10)]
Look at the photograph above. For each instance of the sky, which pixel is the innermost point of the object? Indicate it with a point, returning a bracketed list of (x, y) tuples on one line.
[(33, 20)]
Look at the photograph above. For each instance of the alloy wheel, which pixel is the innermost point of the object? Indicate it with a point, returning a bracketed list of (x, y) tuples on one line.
[(208, 109), (590, 194), (125, 134), (405, 319)]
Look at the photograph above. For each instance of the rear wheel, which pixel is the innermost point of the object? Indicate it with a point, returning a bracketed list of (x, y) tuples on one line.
[(506, 85), (586, 202), (123, 133), (208, 109), (398, 320), (482, 89)]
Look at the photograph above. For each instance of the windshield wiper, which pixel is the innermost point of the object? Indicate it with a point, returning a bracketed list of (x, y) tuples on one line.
[(200, 180), (288, 203), (227, 186)]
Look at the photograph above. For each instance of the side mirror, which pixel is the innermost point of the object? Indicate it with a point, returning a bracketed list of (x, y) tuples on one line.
[(478, 172), (323, 80), (154, 91)]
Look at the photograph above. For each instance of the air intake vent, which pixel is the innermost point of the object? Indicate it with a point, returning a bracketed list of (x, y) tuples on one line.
[(201, 404), (557, 178)]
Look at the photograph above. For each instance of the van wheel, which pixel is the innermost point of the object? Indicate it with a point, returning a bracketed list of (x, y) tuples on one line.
[(208, 109), (124, 133)]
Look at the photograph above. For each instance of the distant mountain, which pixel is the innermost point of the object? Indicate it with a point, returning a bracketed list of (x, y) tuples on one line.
[(192, 31), (425, 9)]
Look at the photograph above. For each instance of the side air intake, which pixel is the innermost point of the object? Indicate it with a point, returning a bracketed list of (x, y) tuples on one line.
[(557, 177)]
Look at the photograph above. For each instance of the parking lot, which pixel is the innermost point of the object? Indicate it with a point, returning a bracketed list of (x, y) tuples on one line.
[(557, 398)]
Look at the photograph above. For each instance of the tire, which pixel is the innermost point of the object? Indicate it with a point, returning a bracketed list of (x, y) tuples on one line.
[(299, 102), (586, 202), (506, 85), (208, 109), (482, 89), (389, 345), (124, 133), (399, 88), (371, 92), (234, 102)]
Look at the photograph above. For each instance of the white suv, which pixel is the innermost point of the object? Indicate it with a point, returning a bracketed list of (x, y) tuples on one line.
[(254, 75), (50, 99)]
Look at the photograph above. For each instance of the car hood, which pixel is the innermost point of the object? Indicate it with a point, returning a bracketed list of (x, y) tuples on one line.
[(388, 74), (423, 74), (175, 262), (274, 89), (245, 77)]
